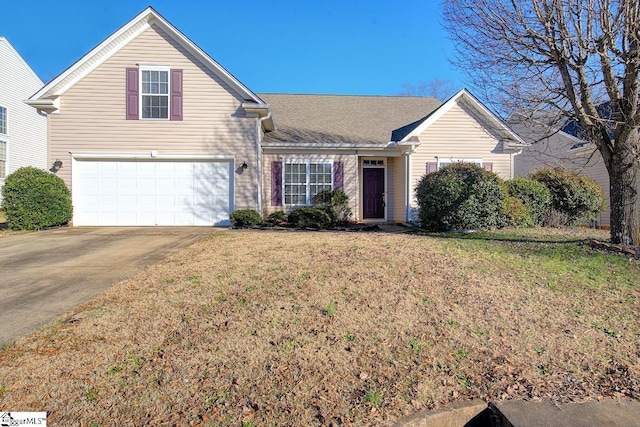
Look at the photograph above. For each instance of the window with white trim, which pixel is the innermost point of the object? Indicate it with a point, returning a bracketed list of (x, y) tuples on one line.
[(303, 179), (3, 120), (443, 161), (154, 92), (3, 159)]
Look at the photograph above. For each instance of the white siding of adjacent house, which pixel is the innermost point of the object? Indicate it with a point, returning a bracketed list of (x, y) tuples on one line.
[(458, 135), (26, 136), (92, 116)]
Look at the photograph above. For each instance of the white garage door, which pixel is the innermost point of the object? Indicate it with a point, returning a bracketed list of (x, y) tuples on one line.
[(121, 192)]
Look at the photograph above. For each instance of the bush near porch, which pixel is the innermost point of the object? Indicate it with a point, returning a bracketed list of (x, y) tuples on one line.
[(465, 196)]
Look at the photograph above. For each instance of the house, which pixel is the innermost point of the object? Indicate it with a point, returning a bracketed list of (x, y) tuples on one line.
[(23, 131), (561, 146), (147, 129), (376, 148)]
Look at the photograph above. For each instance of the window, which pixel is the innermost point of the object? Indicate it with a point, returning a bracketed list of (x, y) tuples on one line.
[(442, 162), (303, 179), (3, 159), (155, 93), (3, 120)]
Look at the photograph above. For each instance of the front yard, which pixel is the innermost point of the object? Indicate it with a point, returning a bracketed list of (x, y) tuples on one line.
[(260, 328)]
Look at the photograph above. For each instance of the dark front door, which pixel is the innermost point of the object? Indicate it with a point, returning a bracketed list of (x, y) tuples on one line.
[(373, 193)]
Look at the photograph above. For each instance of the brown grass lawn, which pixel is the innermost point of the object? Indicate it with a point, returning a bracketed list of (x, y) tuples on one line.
[(261, 328)]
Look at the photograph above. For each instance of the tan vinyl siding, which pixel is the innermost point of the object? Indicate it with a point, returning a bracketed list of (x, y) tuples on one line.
[(396, 171), (350, 176), (92, 115), (458, 135)]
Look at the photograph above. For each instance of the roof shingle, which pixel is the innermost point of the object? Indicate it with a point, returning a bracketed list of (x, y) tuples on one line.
[(345, 118)]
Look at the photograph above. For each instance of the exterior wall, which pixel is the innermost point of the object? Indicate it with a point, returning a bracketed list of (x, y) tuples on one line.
[(458, 135), (26, 136), (396, 189), (350, 176), (92, 115)]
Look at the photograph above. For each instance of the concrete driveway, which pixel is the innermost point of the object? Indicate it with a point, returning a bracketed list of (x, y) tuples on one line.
[(45, 274)]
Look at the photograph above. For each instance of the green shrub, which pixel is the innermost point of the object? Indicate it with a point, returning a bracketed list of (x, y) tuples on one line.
[(578, 197), (310, 217), (245, 218), (533, 194), (276, 218), (460, 196), (517, 214), (34, 199), (335, 203)]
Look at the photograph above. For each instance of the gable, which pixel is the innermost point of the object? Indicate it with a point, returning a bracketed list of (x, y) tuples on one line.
[(47, 98), (105, 84), (474, 108), (456, 133)]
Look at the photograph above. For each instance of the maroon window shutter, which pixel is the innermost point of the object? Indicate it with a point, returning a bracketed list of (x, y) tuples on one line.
[(276, 183), (488, 166), (132, 94), (176, 95), (432, 167), (338, 176)]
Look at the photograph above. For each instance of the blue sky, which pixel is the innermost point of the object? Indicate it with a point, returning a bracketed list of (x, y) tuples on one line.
[(278, 46)]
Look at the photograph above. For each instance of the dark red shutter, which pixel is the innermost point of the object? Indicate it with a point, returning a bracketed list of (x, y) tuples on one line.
[(338, 176), (276, 183), (132, 94), (432, 167), (176, 95), (488, 166)]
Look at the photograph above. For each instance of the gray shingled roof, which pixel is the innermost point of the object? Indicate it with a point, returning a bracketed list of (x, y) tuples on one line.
[(345, 118)]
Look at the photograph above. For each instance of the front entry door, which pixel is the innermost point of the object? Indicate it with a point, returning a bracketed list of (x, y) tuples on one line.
[(373, 193)]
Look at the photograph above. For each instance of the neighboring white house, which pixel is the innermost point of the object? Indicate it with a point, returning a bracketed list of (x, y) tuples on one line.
[(23, 130)]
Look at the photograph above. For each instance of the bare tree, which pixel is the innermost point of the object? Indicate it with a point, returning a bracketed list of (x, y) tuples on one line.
[(567, 58), (441, 89)]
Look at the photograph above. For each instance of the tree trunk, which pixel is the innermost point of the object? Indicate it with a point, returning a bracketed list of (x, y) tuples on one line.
[(623, 198)]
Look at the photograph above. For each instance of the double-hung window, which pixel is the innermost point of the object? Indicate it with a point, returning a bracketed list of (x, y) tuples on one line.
[(442, 162), (154, 92), (303, 179), (3, 121)]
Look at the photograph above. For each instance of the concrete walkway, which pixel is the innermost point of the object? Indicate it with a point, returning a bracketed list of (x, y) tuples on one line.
[(45, 274), (517, 413)]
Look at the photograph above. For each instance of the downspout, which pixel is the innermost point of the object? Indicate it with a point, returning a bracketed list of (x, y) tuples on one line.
[(259, 157)]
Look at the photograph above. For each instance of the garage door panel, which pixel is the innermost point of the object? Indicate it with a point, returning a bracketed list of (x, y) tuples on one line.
[(151, 192)]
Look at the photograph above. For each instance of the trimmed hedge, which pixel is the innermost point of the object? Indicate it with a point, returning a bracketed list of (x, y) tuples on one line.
[(578, 197), (310, 217), (460, 196), (245, 218), (34, 199), (335, 203), (534, 195)]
